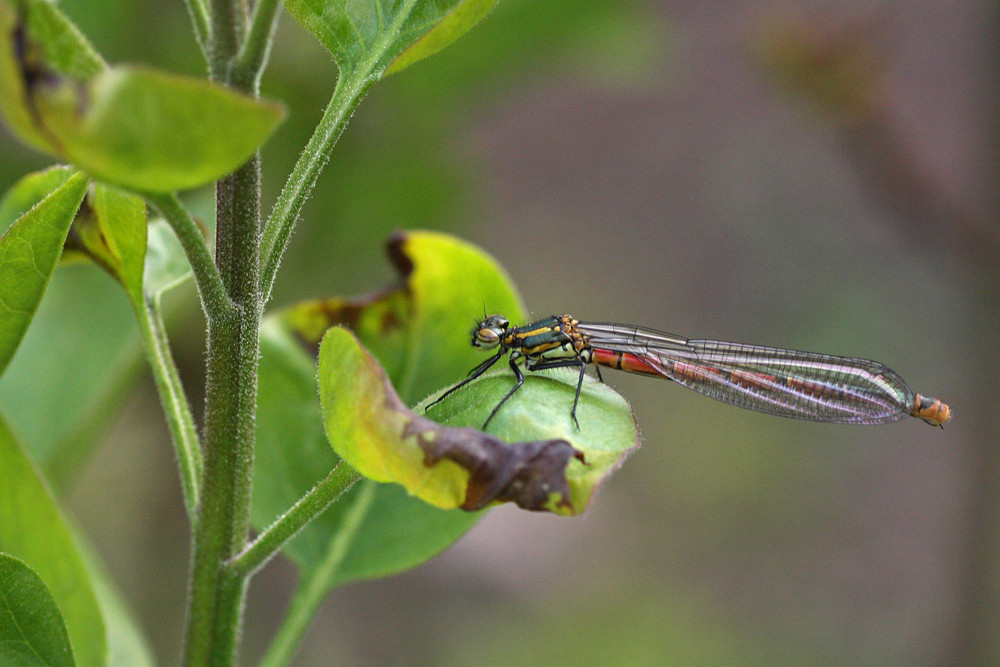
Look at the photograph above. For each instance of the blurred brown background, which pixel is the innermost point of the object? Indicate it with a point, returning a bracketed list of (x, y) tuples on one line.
[(671, 164)]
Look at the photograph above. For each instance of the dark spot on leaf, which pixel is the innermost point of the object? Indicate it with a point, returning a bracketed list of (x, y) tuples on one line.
[(36, 74), (529, 474), (88, 237), (396, 248), (311, 319), (343, 312)]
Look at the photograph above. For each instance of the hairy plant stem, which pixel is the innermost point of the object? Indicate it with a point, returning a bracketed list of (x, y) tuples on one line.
[(211, 290), (308, 507), (345, 99), (217, 593), (231, 396), (198, 12), (175, 403)]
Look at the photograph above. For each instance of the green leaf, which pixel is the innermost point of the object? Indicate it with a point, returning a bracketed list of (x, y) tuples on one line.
[(367, 36), (81, 354), (418, 328), (292, 454), (29, 251), (127, 646), (32, 529), (458, 21), (32, 631), (78, 360), (132, 126), (30, 190), (166, 264), (35, 38), (152, 131), (537, 458)]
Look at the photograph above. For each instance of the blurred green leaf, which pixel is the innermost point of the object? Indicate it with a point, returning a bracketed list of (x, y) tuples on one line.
[(367, 36), (59, 43), (36, 38), (32, 529), (140, 128), (835, 67), (32, 631), (166, 265), (127, 646), (153, 131), (29, 251), (78, 360)]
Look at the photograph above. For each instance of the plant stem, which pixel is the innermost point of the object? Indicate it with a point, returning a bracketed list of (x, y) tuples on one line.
[(214, 299), (231, 396), (252, 58), (308, 507), (175, 404), (314, 584), (217, 593), (225, 36), (302, 180), (199, 19)]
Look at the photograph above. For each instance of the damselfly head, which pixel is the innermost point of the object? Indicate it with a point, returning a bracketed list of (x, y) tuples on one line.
[(488, 333)]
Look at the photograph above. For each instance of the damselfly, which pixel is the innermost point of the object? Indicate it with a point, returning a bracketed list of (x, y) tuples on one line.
[(787, 383)]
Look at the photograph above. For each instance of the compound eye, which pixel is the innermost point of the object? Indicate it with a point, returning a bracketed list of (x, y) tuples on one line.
[(486, 338)]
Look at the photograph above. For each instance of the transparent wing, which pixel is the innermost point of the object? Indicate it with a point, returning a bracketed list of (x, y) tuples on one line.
[(789, 383)]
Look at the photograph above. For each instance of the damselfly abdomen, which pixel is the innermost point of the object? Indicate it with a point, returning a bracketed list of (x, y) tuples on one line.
[(787, 383)]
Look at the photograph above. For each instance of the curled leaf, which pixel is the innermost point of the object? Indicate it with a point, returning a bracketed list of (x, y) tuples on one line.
[(372, 429), (416, 328), (530, 474)]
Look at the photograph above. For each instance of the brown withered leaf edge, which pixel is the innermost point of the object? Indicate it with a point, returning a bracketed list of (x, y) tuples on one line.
[(346, 312), (525, 473)]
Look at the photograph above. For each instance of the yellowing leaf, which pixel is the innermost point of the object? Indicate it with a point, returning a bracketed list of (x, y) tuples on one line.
[(539, 463)]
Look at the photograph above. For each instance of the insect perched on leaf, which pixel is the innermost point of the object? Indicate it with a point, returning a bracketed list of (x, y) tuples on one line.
[(776, 381)]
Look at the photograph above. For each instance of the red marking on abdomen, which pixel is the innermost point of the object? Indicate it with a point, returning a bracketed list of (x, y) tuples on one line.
[(624, 361)]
